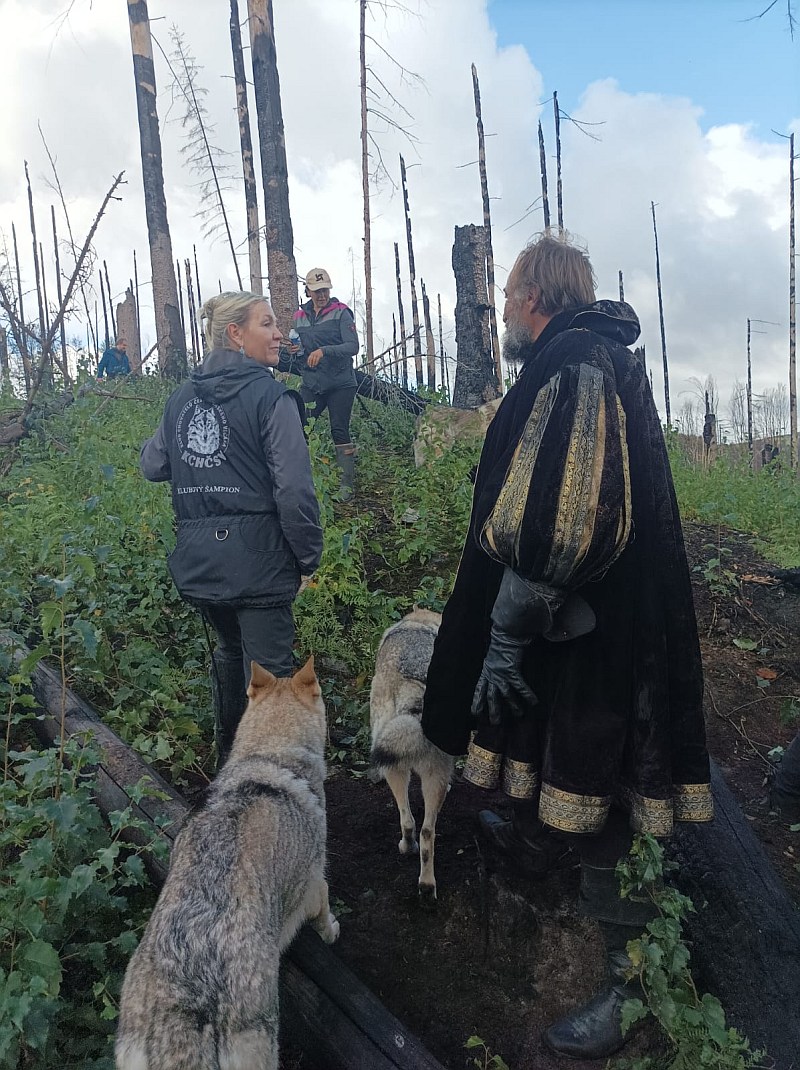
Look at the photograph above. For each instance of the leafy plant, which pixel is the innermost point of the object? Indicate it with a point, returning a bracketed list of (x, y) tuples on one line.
[(694, 1024), (72, 899), (484, 1059)]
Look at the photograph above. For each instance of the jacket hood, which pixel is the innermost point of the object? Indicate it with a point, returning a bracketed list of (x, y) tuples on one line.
[(225, 373), (614, 320)]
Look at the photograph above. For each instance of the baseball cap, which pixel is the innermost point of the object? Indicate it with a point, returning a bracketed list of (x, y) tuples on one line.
[(318, 279)]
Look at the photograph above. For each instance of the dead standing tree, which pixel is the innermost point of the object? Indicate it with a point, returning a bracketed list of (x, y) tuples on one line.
[(557, 117), (171, 343), (205, 159), (248, 171), (16, 431), (279, 236), (370, 345), (412, 279), (792, 311), (487, 227), (661, 318), (543, 172), (476, 380)]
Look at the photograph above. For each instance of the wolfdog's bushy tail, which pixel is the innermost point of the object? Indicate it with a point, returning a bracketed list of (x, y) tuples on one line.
[(199, 1050), (399, 742)]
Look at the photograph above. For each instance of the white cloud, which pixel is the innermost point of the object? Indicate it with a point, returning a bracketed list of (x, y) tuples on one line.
[(721, 193)]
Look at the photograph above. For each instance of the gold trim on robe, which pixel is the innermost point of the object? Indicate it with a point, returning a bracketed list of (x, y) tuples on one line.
[(693, 802), (482, 767), (573, 813), (520, 780)]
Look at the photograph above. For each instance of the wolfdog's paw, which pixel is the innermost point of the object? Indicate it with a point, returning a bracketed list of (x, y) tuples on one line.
[(330, 934), (408, 846), (427, 896)]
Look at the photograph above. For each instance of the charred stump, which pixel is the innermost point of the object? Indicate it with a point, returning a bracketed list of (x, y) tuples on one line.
[(476, 379)]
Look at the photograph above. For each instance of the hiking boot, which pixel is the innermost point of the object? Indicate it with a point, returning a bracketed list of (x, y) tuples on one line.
[(594, 1031), (346, 459), (535, 851)]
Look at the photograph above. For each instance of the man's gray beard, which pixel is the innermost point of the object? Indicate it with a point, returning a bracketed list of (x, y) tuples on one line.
[(517, 344)]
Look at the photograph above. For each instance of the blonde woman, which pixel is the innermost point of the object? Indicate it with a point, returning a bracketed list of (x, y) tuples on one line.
[(231, 444)]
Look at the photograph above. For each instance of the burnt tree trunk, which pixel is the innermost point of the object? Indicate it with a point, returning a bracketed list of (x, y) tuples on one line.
[(246, 141), (126, 326), (559, 194), (370, 345), (413, 279), (22, 342), (171, 343), (60, 295), (487, 228), (543, 171), (430, 345), (661, 318), (476, 375), (403, 346), (792, 314), (5, 367), (278, 233), (749, 398)]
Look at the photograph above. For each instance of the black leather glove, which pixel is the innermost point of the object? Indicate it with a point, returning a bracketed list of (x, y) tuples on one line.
[(522, 610)]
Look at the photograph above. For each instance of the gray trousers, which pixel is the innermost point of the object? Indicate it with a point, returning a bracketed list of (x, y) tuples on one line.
[(253, 633)]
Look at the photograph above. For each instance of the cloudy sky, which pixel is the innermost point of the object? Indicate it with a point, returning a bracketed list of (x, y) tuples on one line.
[(690, 101)]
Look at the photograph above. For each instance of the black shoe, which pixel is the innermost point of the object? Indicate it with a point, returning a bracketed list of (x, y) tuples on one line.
[(788, 806), (535, 855), (594, 1031)]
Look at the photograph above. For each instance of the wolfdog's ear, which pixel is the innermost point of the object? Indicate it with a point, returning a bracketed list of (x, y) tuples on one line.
[(306, 677), (260, 679)]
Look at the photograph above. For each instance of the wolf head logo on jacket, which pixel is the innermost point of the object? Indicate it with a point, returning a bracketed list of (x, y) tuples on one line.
[(202, 432)]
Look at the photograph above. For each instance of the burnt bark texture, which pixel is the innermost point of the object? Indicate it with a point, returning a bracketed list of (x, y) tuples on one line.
[(412, 271), (487, 226), (543, 173), (792, 317), (126, 328), (171, 343), (476, 378), (281, 267), (370, 345), (246, 142)]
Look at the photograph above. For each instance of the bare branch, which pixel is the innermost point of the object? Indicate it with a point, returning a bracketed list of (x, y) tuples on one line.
[(47, 341)]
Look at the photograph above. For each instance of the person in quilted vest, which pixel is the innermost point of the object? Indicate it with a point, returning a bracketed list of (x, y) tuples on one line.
[(323, 355)]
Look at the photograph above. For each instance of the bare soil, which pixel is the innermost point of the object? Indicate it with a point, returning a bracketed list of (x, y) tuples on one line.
[(501, 956)]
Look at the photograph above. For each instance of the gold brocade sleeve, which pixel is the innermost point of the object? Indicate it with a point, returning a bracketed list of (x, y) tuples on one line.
[(563, 513)]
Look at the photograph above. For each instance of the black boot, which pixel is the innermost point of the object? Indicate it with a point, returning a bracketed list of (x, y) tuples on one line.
[(229, 696), (531, 846), (785, 794), (594, 1031)]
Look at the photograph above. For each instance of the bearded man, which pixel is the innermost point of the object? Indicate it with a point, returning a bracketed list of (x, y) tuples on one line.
[(568, 649)]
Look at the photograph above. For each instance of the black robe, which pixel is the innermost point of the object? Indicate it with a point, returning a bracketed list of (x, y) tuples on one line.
[(574, 490)]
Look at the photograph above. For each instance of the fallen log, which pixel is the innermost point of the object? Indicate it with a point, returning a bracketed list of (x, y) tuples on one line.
[(326, 1012), (746, 932), (369, 386)]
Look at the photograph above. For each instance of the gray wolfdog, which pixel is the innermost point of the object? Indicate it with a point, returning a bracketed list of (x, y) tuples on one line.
[(398, 745), (247, 869)]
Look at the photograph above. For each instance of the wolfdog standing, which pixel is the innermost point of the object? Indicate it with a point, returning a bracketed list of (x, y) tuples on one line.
[(247, 869), (398, 745)]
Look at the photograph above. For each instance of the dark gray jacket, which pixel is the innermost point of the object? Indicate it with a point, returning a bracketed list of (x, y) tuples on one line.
[(334, 332), (231, 443)]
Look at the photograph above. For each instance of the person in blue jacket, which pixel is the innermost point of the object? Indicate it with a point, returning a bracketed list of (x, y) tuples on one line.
[(323, 355), (114, 362), (231, 444)]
